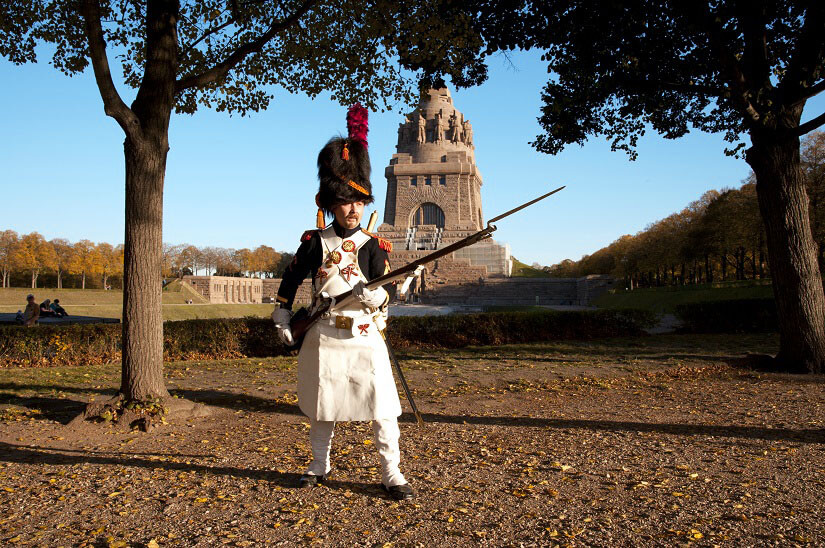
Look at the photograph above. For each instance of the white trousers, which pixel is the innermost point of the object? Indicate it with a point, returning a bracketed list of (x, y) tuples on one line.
[(386, 441)]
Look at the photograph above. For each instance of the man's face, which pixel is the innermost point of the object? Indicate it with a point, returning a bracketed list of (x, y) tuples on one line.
[(349, 215)]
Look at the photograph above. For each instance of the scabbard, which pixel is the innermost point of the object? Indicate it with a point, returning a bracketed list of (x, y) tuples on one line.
[(401, 378)]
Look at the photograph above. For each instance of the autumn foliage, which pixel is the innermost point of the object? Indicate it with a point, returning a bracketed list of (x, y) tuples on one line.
[(719, 237), (31, 260)]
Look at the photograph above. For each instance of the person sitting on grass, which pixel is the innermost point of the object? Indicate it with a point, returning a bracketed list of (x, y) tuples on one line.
[(45, 309), (58, 310), (32, 313)]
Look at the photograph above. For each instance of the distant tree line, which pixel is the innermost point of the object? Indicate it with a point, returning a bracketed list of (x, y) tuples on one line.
[(719, 237), (28, 259), (261, 262)]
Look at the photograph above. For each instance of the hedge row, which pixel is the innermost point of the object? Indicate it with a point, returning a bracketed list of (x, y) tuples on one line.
[(493, 328), (256, 337), (732, 316)]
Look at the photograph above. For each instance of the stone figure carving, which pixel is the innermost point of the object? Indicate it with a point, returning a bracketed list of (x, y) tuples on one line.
[(455, 129), (468, 133), (422, 131), (403, 131), (438, 136)]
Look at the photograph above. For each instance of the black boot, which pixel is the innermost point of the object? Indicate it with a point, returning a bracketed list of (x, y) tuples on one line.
[(310, 480), (399, 492)]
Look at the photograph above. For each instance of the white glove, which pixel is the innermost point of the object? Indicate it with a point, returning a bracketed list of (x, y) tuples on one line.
[(408, 280), (372, 298), (281, 317)]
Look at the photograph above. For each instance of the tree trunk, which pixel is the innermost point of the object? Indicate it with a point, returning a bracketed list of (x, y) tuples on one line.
[(34, 279), (724, 265), (753, 264), (83, 280), (740, 264), (761, 257), (797, 285), (59, 279), (142, 372)]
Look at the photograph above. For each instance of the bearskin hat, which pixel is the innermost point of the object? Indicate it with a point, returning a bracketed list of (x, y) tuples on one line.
[(344, 165)]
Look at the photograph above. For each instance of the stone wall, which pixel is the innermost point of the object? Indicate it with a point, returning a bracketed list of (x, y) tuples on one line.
[(303, 296), (520, 292), (227, 289), (490, 254)]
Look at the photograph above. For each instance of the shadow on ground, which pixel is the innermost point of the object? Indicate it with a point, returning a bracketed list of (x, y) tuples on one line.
[(63, 410), (715, 430), (29, 454)]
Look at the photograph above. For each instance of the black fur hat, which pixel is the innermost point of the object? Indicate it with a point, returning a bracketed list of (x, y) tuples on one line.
[(343, 174)]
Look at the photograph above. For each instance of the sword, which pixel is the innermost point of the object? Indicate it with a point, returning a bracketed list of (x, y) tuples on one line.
[(397, 366)]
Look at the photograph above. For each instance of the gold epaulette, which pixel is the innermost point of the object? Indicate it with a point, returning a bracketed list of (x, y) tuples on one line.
[(386, 245)]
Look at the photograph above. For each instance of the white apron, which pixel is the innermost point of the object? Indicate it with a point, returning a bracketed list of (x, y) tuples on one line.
[(345, 374)]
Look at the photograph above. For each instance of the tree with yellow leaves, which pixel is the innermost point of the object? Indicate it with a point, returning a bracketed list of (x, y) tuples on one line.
[(264, 259), (8, 241), (64, 253), (35, 254), (111, 261), (86, 260)]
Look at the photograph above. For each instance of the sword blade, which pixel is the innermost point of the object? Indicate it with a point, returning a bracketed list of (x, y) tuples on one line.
[(522, 206)]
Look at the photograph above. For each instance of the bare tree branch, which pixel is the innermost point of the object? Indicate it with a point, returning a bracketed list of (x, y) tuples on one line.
[(113, 105), (222, 69), (810, 92), (810, 125)]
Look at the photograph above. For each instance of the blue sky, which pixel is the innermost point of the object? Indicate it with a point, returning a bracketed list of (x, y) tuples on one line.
[(245, 181)]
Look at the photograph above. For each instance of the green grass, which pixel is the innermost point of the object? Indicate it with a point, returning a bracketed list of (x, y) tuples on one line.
[(16, 296), (174, 293), (171, 312), (521, 270), (208, 311), (665, 299)]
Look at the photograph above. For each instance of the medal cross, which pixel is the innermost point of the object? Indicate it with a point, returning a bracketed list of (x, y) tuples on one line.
[(349, 271)]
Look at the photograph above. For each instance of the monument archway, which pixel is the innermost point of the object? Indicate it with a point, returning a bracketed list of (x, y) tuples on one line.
[(428, 214)]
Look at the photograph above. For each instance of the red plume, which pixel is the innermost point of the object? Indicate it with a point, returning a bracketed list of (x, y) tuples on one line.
[(358, 123)]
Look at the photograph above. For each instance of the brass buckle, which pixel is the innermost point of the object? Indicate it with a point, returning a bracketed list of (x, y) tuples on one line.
[(343, 322)]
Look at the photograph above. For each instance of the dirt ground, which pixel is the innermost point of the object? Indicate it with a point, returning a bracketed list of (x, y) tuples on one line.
[(656, 441)]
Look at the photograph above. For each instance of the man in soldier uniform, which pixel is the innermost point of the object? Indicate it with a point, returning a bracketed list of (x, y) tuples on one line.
[(344, 371)]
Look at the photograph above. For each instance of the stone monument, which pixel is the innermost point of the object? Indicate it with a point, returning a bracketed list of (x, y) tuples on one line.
[(434, 191)]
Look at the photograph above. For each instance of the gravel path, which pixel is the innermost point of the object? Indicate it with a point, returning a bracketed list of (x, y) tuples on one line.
[(653, 441)]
